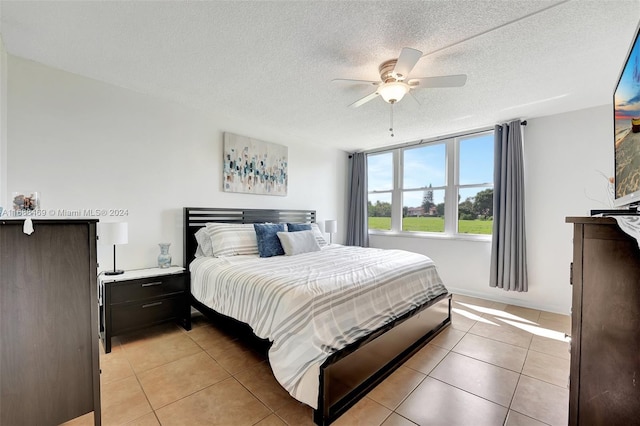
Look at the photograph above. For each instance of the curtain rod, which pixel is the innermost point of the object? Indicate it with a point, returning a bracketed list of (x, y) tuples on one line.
[(423, 141)]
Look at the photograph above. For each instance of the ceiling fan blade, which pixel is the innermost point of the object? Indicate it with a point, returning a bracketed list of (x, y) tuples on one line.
[(353, 81), (406, 61), (364, 100), (457, 80)]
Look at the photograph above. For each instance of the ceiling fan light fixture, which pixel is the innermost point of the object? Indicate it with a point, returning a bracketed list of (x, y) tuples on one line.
[(394, 91)]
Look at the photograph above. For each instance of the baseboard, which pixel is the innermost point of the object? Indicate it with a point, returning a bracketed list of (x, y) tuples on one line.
[(509, 300)]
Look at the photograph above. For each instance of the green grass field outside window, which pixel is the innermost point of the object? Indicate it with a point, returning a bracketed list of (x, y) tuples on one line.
[(433, 224)]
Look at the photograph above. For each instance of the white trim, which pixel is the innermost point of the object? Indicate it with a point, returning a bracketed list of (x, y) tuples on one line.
[(396, 197), (451, 196), (429, 140), (433, 235), (525, 303), (3, 126)]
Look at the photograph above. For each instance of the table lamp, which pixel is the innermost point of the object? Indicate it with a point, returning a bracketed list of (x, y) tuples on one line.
[(113, 233), (331, 227)]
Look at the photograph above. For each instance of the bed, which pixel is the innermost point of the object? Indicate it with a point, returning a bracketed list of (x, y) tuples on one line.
[(337, 341)]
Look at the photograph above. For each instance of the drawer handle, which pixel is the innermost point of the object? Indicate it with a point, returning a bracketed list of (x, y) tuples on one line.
[(152, 284), (149, 305)]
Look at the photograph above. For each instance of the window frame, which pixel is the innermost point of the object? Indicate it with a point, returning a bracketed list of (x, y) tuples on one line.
[(452, 188)]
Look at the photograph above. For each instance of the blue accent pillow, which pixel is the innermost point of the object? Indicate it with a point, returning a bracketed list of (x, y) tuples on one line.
[(267, 237), (294, 227)]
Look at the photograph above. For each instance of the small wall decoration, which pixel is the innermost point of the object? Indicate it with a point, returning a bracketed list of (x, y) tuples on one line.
[(25, 200), (254, 167)]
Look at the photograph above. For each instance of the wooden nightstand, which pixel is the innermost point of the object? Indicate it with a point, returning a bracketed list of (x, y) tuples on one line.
[(140, 298)]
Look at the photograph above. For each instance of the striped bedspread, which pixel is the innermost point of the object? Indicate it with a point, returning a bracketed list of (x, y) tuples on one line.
[(312, 304)]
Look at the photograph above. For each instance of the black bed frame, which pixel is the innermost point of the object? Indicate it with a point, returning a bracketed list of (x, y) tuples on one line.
[(350, 373)]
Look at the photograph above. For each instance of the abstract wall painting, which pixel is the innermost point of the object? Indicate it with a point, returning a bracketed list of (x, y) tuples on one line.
[(253, 166)]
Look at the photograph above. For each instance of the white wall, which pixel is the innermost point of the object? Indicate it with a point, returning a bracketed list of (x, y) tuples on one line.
[(564, 155), (84, 144), (3, 124)]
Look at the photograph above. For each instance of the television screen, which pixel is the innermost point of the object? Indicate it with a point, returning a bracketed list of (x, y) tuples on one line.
[(626, 101)]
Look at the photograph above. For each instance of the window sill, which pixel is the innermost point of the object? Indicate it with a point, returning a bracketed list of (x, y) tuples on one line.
[(432, 235)]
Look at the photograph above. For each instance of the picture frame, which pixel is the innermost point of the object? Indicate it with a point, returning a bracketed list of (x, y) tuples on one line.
[(252, 166)]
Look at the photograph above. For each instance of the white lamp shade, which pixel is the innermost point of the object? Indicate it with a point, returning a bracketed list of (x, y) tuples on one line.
[(331, 226), (113, 232), (394, 91)]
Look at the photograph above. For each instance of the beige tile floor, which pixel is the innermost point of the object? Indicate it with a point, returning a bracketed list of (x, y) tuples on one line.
[(496, 365)]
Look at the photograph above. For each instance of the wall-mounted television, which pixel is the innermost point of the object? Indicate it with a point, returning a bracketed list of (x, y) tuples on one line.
[(626, 106)]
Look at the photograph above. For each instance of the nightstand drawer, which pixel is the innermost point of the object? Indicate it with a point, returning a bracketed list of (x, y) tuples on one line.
[(145, 288), (131, 316)]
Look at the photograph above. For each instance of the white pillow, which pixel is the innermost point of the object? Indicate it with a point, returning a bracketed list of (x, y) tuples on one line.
[(298, 242), (227, 239), (319, 235), (204, 243)]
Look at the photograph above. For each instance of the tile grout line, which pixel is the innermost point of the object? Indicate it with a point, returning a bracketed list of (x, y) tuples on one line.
[(472, 394), (520, 374), (240, 383), (511, 402), (463, 333), (135, 373)]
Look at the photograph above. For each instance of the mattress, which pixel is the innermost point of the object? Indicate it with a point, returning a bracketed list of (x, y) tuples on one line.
[(313, 304)]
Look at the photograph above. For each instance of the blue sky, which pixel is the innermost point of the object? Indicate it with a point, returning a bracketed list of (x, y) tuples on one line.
[(627, 95), (426, 165)]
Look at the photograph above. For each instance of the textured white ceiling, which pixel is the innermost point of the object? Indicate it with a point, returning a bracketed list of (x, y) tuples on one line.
[(271, 62)]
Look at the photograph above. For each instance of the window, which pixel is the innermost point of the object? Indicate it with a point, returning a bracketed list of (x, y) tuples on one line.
[(443, 187), (475, 188), (380, 173), (424, 177)]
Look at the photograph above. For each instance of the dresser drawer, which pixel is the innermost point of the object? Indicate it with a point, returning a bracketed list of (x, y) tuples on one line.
[(132, 316), (145, 288)]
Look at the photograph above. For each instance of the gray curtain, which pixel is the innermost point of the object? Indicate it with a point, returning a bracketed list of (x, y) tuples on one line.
[(357, 229), (508, 248)]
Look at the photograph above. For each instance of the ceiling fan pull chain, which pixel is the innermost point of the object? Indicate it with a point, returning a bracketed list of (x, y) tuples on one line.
[(391, 125)]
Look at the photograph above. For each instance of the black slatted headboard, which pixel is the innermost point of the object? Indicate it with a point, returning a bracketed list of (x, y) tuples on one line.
[(196, 217)]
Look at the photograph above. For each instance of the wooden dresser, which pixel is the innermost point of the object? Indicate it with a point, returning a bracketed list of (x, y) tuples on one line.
[(605, 324), (49, 360)]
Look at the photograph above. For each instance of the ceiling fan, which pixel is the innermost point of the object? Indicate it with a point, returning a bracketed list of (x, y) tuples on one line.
[(395, 82)]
